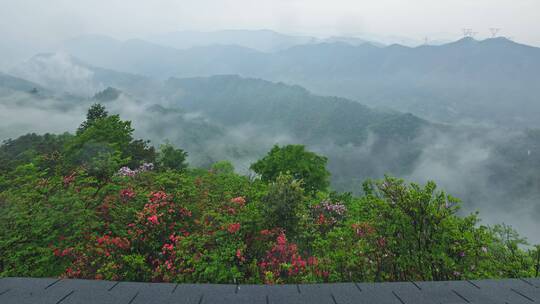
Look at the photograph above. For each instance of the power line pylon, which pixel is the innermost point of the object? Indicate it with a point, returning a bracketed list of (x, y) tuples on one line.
[(494, 32)]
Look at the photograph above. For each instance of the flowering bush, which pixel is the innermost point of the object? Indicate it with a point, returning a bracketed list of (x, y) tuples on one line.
[(363, 229), (240, 201), (127, 172), (233, 228), (283, 263), (76, 212), (127, 194), (146, 167), (193, 225), (327, 214)]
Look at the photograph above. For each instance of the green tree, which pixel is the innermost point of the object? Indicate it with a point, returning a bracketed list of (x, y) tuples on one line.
[(104, 143), (419, 235), (283, 203), (171, 158), (95, 112), (139, 151), (223, 167), (507, 259), (301, 164), (110, 133)]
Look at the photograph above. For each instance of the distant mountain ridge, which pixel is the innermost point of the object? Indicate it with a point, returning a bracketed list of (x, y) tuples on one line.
[(466, 79), (261, 40)]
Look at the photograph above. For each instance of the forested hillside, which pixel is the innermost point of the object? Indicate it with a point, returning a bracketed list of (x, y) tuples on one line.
[(234, 101), (239, 119), (97, 203)]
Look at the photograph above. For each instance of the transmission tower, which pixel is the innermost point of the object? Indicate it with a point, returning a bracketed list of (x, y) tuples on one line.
[(468, 32), (494, 32)]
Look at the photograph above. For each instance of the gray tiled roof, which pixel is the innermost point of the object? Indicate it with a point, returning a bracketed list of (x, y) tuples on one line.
[(56, 291)]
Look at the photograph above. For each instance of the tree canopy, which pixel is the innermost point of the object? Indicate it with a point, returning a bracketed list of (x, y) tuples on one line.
[(295, 160), (172, 158), (95, 112)]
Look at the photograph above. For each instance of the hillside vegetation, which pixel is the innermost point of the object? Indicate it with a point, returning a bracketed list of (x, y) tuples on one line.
[(101, 204), (240, 119)]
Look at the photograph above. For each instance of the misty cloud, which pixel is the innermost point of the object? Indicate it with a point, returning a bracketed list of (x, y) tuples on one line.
[(22, 113), (461, 165), (58, 72)]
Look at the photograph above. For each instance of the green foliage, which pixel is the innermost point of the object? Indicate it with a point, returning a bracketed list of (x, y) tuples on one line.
[(96, 112), (105, 144), (140, 151), (295, 160), (283, 203), (77, 215), (111, 131), (223, 167), (508, 260), (423, 237), (37, 213), (45, 149), (171, 158)]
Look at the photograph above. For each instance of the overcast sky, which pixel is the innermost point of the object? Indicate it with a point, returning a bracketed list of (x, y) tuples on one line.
[(50, 21)]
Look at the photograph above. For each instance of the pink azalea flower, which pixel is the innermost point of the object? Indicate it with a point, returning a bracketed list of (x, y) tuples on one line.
[(233, 228), (153, 219), (239, 200)]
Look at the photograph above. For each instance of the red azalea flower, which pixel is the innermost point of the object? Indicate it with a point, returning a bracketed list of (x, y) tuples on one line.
[(321, 219), (282, 239), (282, 253), (239, 255), (69, 179), (127, 194), (312, 261), (167, 247), (153, 219), (266, 232), (239, 200), (158, 196), (233, 228), (363, 229)]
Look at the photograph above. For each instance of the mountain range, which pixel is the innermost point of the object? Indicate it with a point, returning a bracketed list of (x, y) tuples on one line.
[(492, 81)]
